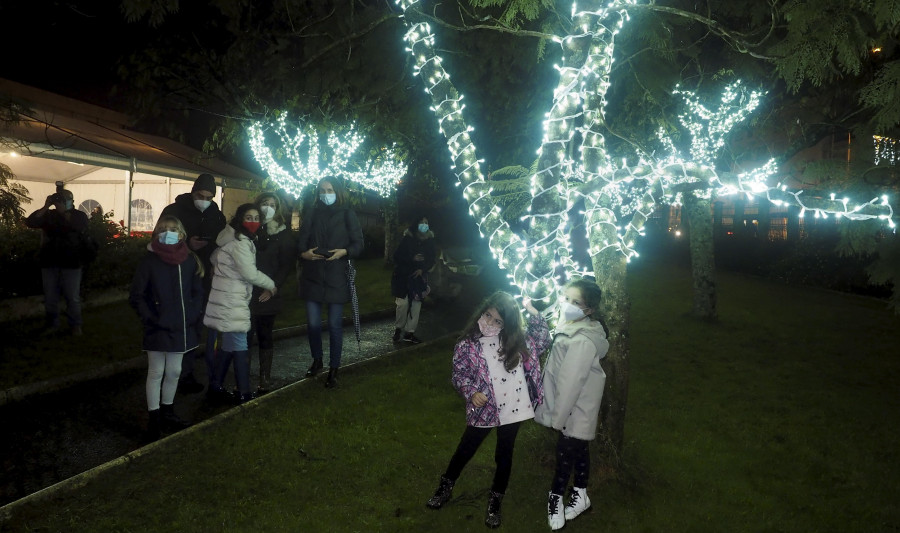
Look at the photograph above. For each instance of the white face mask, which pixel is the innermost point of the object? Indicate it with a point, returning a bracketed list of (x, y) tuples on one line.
[(570, 312), (201, 204), (328, 198), (267, 212)]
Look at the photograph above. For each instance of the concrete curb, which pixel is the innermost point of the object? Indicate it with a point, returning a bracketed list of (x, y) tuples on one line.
[(21, 392), (82, 479)]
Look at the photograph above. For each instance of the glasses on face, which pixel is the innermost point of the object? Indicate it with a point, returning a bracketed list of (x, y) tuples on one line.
[(495, 320)]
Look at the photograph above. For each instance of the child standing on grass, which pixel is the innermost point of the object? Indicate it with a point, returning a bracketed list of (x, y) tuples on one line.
[(573, 388), (167, 293), (496, 368)]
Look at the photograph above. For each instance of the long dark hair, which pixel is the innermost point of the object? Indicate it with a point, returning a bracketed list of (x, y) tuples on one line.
[(339, 190), (237, 221), (512, 336)]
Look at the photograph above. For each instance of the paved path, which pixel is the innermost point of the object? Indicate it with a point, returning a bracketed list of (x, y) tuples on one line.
[(51, 437)]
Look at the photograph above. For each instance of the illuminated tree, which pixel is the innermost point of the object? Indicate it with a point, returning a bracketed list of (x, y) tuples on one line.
[(574, 165)]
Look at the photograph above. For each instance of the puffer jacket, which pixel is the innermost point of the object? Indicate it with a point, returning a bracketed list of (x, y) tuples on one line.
[(276, 258), (471, 374), (235, 274), (205, 224), (330, 228), (574, 380), (169, 301)]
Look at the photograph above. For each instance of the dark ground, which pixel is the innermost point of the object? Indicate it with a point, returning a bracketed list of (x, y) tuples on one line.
[(51, 437)]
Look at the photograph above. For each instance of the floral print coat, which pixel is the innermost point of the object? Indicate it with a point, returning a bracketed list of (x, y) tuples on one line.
[(471, 375)]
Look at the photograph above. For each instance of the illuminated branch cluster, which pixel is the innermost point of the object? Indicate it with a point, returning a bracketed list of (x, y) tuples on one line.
[(618, 198), (298, 148)]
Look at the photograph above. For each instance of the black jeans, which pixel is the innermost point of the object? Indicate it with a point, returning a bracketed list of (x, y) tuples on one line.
[(468, 445), (262, 326), (571, 453)]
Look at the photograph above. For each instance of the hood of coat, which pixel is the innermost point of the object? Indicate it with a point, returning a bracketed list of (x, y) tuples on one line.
[(592, 329), (421, 236), (273, 227), (225, 236)]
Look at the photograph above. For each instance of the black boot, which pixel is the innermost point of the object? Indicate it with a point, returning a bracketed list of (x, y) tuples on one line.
[(169, 420), (314, 368), (331, 382), (492, 518), (265, 370), (397, 333), (152, 432), (442, 494)]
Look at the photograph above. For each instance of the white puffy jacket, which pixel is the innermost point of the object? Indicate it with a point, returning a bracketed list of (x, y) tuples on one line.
[(573, 380), (235, 274)]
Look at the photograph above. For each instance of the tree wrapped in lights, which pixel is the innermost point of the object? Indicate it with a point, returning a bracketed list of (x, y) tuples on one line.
[(298, 161), (574, 165)]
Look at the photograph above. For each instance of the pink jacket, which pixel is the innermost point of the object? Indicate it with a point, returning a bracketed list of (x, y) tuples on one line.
[(470, 373)]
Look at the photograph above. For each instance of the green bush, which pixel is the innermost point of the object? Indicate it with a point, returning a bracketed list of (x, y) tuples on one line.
[(18, 261)]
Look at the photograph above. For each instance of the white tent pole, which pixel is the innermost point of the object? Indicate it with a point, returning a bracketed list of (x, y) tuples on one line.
[(129, 183)]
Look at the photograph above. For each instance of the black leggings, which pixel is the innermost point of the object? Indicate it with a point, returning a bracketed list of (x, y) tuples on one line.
[(571, 453), (468, 445), (262, 326)]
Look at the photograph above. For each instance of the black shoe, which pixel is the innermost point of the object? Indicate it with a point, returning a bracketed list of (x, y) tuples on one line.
[(492, 518), (243, 398), (442, 494), (169, 421), (189, 386), (218, 396), (153, 431), (331, 382), (397, 333), (314, 368), (409, 337)]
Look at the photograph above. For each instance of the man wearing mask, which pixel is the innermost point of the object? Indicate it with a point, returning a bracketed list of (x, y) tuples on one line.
[(65, 248), (202, 221)]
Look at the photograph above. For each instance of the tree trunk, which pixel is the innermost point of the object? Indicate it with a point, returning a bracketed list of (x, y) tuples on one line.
[(390, 228), (610, 273), (703, 263)]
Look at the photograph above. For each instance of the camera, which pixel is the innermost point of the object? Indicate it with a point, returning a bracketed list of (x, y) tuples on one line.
[(60, 186)]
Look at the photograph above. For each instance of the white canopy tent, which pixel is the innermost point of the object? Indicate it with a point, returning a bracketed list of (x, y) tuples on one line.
[(103, 163)]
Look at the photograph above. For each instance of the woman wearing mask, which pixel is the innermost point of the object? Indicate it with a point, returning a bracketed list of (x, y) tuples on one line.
[(275, 257), (228, 309), (167, 293), (329, 237), (409, 283)]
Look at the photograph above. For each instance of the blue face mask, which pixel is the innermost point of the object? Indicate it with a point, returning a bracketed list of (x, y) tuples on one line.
[(69, 204), (423, 228), (328, 198), (168, 237)]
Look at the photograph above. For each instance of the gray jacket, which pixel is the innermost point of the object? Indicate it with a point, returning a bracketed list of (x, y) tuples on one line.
[(573, 380)]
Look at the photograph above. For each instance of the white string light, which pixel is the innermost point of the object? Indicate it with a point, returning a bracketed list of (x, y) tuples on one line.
[(618, 197)]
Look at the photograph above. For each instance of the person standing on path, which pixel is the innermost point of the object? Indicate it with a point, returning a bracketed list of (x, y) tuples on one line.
[(203, 221), (413, 259), (573, 389), (167, 293), (228, 309), (497, 370), (329, 237), (276, 257), (66, 246)]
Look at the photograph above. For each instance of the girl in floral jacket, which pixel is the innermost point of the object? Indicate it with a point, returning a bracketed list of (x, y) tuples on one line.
[(496, 368)]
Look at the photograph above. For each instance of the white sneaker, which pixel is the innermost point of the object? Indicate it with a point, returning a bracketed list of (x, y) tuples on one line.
[(555, 516), (578, 503)]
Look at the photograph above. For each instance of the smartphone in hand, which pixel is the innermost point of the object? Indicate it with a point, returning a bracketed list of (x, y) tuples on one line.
[(324, 253)]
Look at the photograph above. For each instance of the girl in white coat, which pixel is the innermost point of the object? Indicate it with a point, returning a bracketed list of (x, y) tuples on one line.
[(573, 389), (228, 309)]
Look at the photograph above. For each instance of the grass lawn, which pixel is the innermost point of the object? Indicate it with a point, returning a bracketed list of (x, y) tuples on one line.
[(26, 357), (781, 417)]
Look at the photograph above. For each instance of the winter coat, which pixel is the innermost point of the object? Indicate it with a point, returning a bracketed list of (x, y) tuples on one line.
[(574, 380), (169, 301), (275, 257), (206, 224), (404, 265), (65, 241), (235, 274), (328, 228), (471, 374)]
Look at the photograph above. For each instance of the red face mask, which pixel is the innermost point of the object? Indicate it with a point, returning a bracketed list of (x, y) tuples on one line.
[(251, 226)]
